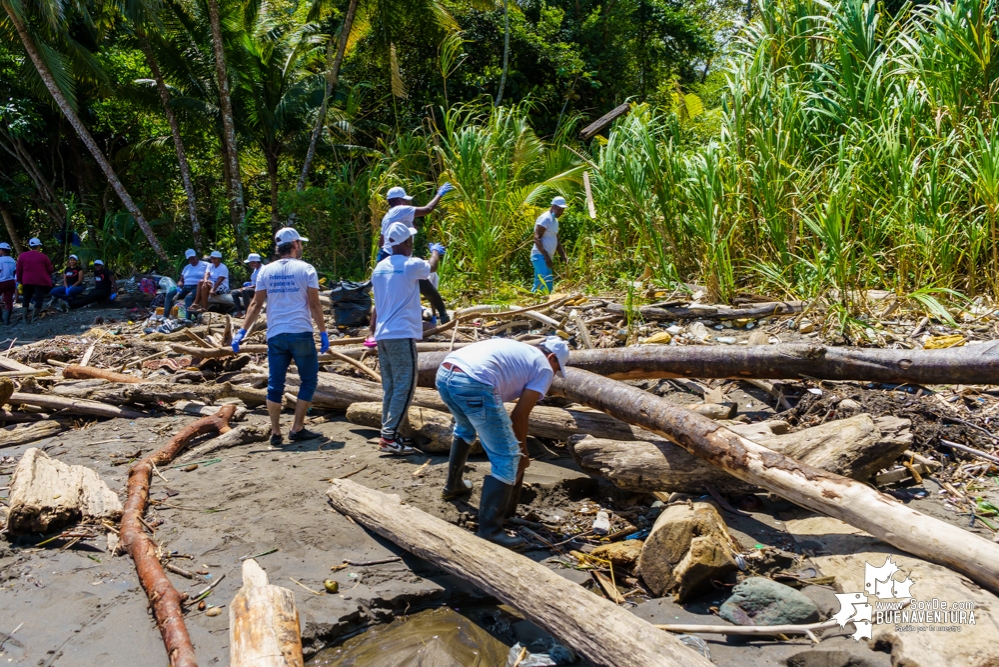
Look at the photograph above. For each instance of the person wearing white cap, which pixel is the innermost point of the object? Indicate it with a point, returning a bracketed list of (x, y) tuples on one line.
[(34, 272), (546, 244), (396, 325), (216, 281), (400, 210), (291, 289), (8, 285), (242, 297), (474, 382), (105, 288), (72, 283), (193, 273)]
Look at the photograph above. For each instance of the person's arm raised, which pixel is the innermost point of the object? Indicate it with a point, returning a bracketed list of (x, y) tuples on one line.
[(420, 211)]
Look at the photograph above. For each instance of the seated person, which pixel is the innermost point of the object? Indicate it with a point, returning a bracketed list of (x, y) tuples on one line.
[(193, 273), (72, 282), (215, 282), (243, 297), (105, 287)]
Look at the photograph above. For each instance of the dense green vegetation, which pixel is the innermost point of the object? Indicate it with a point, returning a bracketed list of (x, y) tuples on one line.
[(823, 148)]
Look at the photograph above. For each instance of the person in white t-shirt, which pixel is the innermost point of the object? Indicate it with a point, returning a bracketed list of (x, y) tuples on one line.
[(8, 284), (291, 289), (216, 281), (243, 297), (400, 210), (396, 325), (475, 382), (546, 245), (193, 273)]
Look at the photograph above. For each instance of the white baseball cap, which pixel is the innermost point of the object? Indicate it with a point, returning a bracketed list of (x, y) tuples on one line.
[(398, 193), (35, 242), (398, 232), (5, 245), (559, 201), (216, 254), (287, 235), (253, 257), (70, 257), (558, 346), (190, 253), (98, 262)]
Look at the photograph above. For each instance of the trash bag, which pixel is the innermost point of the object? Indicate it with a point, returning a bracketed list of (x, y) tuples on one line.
[(554, 655), (351, 303)]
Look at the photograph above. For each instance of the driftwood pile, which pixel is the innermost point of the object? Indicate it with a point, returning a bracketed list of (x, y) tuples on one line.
[(634, 439)]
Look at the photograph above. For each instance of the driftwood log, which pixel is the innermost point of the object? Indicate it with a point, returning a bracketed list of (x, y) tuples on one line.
[(595, 627), (73, 405), (241, 435), (47, 494), (855, 447), (769, 309), (837, 496), (263, 623), (973, 364), (163, 597), (91, 373), (25, 433)]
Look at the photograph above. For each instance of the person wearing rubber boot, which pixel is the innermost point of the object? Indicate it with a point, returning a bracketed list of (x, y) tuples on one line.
[(474, 382), (8, 285)]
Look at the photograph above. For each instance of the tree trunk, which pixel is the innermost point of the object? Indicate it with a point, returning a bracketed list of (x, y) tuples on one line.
[(506, 51), (178, 143), (974, 364), (430, 428), (715, 312), (83, 133), (8, 222), (331, 82), (272, 177), (90, 373), (593, 626), (74, 406), (50, 201), (263, 623), (856, 447), (840, 497), (237, 206), (22, 435)]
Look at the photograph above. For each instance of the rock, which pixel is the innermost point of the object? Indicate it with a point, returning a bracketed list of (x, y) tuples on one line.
[(726, 340), (806, 326), (688, 546), (6, 389), (214, 611), (47, 494), (621, 554), (715, 410), (825, 600), (761, 601), (697, 331), (848, 404), (758, 337), (841, 651)]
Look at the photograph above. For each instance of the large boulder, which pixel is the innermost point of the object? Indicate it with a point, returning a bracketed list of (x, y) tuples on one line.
[(762, 601)]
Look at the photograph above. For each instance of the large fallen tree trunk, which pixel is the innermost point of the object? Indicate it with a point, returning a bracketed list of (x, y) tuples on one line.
[(163, 597), (692, 312), (73, 405), (818, 490), (973, 364), (263, 623), (593, 626), (22, 435), (856, 447), (91, 373)]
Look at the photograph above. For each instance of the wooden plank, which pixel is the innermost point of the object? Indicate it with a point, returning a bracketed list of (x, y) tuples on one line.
[(596, 126)]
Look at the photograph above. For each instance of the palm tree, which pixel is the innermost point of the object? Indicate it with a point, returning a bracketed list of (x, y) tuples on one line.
[(506, 51), (52, 13)]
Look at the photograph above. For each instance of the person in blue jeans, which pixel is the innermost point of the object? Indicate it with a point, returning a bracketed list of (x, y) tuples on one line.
[(290, 287), (546, 245), (72, 282), (474, 382)]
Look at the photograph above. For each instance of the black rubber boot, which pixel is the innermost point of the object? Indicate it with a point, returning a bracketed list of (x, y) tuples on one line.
[(428, 290), (456, 487), (6, 317), (492, 506), (511, 509)]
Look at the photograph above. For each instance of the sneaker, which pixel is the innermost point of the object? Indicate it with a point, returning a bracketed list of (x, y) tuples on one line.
[(277, 440), (304, 434), (395, 447)]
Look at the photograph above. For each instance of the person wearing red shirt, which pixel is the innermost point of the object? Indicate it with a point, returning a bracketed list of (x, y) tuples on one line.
[(34, 272)]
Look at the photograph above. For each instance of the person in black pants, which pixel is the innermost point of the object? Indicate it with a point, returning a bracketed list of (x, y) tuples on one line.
[(105, 287)]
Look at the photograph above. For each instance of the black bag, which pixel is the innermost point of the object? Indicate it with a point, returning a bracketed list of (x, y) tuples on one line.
[(351, 303)]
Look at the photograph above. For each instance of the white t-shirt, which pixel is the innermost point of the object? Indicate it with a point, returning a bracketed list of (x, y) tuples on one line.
[(8, 266), (508, 365), (550, 240), (403, 214), (396, 283), (287, 282), (253, 278), (192, 275), (215, 272)]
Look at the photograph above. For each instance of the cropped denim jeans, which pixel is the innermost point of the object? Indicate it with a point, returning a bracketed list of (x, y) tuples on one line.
[(544, 279), (281, 349), (477, 409)]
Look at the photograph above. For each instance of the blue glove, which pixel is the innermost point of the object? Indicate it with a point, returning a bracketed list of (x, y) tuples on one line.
[(444, 189), (237, 339), (114, 295), (440, 249), (324, 342), (247, 284)]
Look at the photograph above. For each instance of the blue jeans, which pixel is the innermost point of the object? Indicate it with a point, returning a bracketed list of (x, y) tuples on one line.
[(281, 349), (478, 409), (544, 279), (186, 293), (66, 293)]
